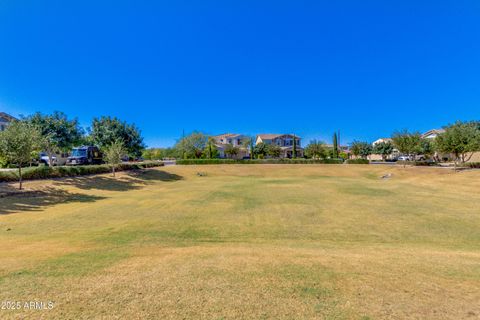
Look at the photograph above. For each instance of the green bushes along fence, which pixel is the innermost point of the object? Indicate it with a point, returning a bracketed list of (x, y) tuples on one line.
[(45, 172), (473, 165), (358, 161), (259, 161)]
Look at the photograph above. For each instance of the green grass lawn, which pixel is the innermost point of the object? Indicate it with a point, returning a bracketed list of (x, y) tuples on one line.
[(246, 241)]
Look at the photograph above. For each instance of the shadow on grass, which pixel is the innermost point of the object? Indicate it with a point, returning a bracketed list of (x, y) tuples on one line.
[(14, 201), (133, 180), (20, 201), (101, 183), (154, 175)]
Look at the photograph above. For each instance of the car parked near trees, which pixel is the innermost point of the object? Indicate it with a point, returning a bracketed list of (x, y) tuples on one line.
[(85, 155)]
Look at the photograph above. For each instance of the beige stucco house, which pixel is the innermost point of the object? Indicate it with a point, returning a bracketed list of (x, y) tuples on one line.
[(222, 141), (378, 157), (5, 120), (284, 141)]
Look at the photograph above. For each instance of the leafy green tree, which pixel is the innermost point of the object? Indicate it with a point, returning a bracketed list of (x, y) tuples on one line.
[(316, 150), (361, 149), (460, 139), (17, 143), (193, 145), (384, 148), (113, 154), (407, 143), (427, 147), (260, 150), (231, 151), (273, 150), (335, 146), (252, 148), (59, 134), (107, 130), (211, 150), (247, 144)]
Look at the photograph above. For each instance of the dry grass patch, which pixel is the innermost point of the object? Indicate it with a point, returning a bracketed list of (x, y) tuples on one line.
[(257, 241)]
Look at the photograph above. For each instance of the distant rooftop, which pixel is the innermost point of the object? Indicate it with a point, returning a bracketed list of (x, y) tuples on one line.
[(7, 117), (270, 136)]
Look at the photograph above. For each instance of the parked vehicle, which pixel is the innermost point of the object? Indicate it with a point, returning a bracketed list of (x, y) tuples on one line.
[(420, 157), (404, 158), (85, 155), (57, 159)]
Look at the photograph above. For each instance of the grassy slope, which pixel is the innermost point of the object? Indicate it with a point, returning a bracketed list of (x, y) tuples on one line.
[(258, 241)]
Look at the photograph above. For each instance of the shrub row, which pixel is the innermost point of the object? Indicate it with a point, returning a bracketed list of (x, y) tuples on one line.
[(45, 172), (358, 161), (258, 161), (416, 163), (475, 165)]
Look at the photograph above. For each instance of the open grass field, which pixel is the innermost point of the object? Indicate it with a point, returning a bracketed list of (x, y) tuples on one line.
[(246, 242)]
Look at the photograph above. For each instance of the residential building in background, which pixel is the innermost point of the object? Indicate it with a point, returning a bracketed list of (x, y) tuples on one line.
[(5, 120), (284, 141), (432, 134), (222, 141)]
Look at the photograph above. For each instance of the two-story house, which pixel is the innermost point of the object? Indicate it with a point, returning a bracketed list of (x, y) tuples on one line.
[(5, 120), (284, 141), (222, 141)]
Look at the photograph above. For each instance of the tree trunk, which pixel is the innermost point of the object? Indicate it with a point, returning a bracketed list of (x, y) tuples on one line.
[(113, 171), (50, 159), (20, 176)]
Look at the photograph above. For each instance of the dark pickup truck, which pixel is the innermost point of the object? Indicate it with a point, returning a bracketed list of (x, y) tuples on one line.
[(85, 155)]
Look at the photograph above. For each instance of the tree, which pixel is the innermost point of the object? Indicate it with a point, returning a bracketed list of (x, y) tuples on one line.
[(107, 130), (113, 154), (260, 150), (273, 150), (247, 144), (17, 143), (460, 139), (252, 148), (211, 150), (294, 148), (427, 147), (192, 146), (361, 149), (59, 134), (384, 148), (335, 146), (231, 151), (316, 150), (407, 143)]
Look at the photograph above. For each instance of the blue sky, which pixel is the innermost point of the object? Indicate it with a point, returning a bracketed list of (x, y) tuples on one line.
[(366, 68)]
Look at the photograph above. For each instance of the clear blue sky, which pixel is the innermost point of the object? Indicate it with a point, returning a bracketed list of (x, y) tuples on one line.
[(366, 68)]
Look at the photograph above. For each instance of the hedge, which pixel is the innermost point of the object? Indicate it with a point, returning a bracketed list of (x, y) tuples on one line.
[(473, 165), (358, 161), (258, 161), (417, 163), (45, 172)]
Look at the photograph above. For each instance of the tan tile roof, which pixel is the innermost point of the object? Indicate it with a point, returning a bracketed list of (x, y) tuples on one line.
[(226, 135), (433, 131), (270, 136), (7, 116)]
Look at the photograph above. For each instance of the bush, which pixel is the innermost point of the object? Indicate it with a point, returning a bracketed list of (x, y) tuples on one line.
[(416, 163), (475, 165), (258, 161), (45, 172), (358, 161)]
